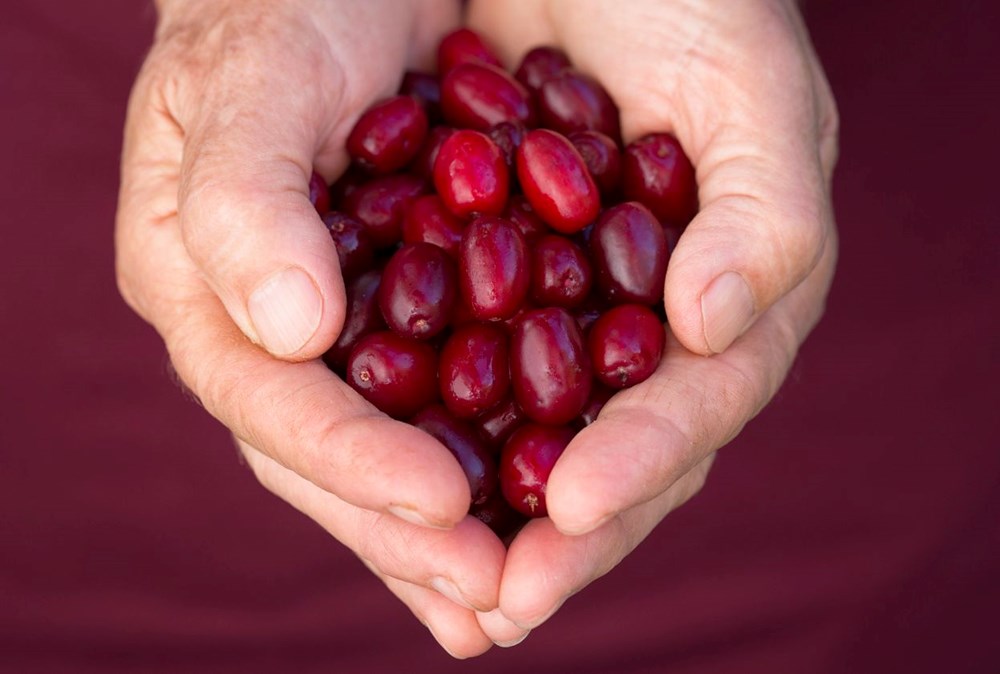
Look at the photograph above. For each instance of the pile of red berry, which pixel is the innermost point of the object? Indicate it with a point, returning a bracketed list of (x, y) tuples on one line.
[(504, 261)]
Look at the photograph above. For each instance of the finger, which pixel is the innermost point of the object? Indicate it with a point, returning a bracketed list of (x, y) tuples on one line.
[(545, 567), (649, 436), (462, 564), (504, 632)]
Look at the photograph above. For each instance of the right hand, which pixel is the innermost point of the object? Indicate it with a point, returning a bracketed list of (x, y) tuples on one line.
[(219, 248)]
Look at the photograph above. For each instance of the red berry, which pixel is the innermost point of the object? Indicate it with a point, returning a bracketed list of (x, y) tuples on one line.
[(463, 46), (526, 463), (362, 318), (428, 220), (423, 163), (473, 370), (461, 440), (493, 268), (599, 396), (426, 89), (625, 345), (540, 65), (520, 212), (395, 374), (560, 272), (500, 421), (549, 368), (508, 137), (602, 158), (629, 252), (657, 173), (477, 96), (380, 204), (556, 181), (354, 247), (418, 290), (499, 516), (470, 174), (388, 135), (572, 101)]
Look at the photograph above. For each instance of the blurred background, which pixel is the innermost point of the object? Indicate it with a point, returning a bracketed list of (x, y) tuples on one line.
[(853, 527)]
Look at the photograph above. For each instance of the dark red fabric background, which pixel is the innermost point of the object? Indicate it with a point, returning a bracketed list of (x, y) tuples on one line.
[(853, 527)]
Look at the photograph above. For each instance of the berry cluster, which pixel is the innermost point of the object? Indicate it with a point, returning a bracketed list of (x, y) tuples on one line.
[(504, 261)]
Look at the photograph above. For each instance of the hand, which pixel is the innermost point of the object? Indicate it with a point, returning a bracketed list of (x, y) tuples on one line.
[(221, 251), (739, 85)]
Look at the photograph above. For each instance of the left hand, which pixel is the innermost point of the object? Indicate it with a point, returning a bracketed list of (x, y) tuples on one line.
[(741, 88)]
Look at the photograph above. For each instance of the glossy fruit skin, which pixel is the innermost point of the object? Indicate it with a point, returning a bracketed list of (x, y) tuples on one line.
[(395, 374), (520, 212), (499, 516), (478, 96), (599, 397), (463, 46), (560, 272), (499, 422), (657, 173), (423, 163), (493, 270), (556, 182), (602, 157), (572, 101), (540, 65), (354, 247), (428, 220), (466, 446), (625, 345), (418, 290), (388, 135), (508, 136), (629, 253), (362, 318), (426, 89), (473, 369), (549, 367), (319, 193), (380, 204), (470, 174), (526, 462)]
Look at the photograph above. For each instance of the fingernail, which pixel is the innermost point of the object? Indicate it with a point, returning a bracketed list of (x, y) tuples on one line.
[(538, 621), (412, 516), (513, 642), (726, 310), (580, 528), (450, 590), (285, 309)]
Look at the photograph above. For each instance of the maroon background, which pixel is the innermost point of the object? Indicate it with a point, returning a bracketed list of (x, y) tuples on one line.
[(852, 528)]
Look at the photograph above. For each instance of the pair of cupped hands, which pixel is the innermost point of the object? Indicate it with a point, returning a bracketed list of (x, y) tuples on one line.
[(221, 251)]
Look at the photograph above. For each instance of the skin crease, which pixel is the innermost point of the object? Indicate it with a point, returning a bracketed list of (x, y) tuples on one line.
[(238, 100)]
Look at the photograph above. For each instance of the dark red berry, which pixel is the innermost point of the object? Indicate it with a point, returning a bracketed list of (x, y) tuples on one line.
[(423, 164), (354, 247), (500, 421), (463, 46), (520, 212), (508, 137), (625, 345), (599, 396), (426, 89), (629, 252), (362, 318), (353, 178), (602, 158), (388, 135), (560, 272), (428, 220), (473, 370), (499, 516), (572, 101), (395, 374), (478, 96), (549, 368), (527, 461), (380, 204), (418, 290), (657, 173), (540, 65), (319, 193), (556, 181), (470, 174), (493, 268), (466, 446)]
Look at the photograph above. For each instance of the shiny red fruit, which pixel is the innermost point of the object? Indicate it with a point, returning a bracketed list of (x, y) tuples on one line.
[(508, 136), (556, 182), (520, 212), (540, 65), (499, 516), (426, 89), (602, 157), (629, 252), (423, 163), (380, 204), (527, 461), (354, 247), (388, 135), (395, 374), (418, 290), (560, 272), (626, 345), (478, 96), (465, 445), (463, 46), (500, 421), (599, 396), (572, 101), (362, 318), (473, 370), (428, 220), (549, 368), (493, 268), (657, 173), (470, 174)]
